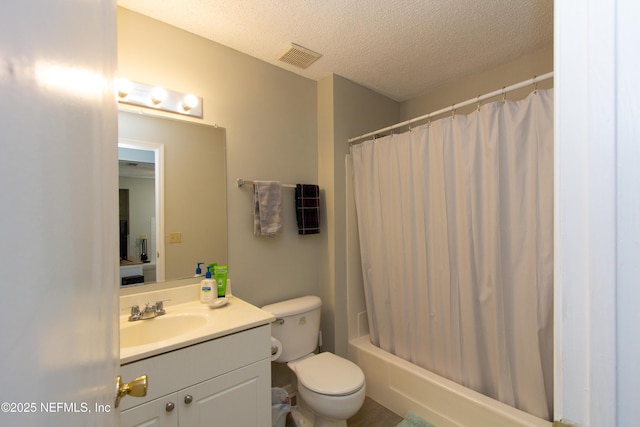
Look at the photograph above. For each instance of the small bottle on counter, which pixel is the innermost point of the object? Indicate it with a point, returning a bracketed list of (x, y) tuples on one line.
[(208, 289), (220, 274)]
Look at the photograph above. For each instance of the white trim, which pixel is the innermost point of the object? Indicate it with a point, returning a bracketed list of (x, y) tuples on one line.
[(585, 213), (628, 211)]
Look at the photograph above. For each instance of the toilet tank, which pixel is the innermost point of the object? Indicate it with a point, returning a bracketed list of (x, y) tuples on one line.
[(296, 326)]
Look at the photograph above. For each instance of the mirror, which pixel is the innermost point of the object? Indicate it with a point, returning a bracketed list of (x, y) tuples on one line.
[(189, 178)]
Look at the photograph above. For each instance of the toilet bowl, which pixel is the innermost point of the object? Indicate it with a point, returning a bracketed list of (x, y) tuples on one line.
[(333, 388), (330, 388)]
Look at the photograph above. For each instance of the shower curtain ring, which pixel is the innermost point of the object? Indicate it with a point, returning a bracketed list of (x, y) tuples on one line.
[(478, 103), (453, 112), (535, 85), (504, 95)]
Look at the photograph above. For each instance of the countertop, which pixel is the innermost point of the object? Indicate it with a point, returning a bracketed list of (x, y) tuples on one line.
[(236, 316)]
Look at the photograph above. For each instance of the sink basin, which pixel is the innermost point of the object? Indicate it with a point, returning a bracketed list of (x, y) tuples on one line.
[(161, 328)]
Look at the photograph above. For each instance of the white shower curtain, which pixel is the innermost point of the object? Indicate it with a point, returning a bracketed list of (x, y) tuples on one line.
[(456, 234)]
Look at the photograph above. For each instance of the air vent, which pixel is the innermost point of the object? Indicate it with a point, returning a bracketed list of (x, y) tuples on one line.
[(298, 56)]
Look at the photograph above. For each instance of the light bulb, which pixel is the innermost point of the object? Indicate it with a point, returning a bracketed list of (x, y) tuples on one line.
[(158, 95), (189, 101), (124, 86)]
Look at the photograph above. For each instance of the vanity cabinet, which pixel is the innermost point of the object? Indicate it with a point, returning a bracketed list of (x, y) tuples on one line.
[(222, 382)]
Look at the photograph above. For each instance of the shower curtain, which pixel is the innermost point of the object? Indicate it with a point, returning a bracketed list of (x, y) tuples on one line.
[(455, 220)]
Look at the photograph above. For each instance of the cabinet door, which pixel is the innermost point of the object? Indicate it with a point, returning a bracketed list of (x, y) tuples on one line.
[(240, 398), (162, 412)]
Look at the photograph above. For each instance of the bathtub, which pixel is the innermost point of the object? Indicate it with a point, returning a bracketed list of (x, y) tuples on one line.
[(402, 386)]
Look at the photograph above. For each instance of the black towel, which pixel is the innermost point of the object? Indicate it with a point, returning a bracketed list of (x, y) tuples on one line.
[(308, 208)]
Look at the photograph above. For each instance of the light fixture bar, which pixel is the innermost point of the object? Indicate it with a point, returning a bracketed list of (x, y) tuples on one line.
[(158, 98)]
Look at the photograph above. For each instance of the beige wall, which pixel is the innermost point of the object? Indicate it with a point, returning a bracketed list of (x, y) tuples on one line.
[(269, 116), (523, 68), (345, 109)]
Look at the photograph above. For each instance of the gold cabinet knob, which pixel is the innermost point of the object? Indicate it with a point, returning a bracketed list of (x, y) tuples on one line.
[(137, 388)]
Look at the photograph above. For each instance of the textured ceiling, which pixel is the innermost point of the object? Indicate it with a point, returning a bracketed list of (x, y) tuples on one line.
[(399, 48)]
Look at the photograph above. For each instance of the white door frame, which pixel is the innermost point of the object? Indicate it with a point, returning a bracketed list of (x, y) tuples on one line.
[(597, 212)]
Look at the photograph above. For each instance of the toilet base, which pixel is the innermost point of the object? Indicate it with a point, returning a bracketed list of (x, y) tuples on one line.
[(329, 423), (301, 417), (305, 417)]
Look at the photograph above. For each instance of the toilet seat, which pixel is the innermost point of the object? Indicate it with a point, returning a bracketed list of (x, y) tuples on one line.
[(329, 374)]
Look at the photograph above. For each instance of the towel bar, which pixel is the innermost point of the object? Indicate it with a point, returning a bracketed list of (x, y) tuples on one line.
[(240, 182)]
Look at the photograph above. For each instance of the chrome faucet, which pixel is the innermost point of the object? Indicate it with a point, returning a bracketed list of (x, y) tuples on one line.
[(149, 312)]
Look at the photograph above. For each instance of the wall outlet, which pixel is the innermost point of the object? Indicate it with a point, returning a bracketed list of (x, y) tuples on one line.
[(175, 237)]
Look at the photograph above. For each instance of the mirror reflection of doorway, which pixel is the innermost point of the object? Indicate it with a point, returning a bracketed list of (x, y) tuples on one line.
[(123, 195), (137, 216)]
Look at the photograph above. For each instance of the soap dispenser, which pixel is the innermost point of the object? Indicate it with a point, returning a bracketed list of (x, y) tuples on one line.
[(208, 290), (198, 270)]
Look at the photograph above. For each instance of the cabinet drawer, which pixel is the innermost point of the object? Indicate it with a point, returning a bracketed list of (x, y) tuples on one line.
[(191, 365)]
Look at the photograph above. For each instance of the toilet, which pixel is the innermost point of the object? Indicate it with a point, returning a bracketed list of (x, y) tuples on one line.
[(330, 387)]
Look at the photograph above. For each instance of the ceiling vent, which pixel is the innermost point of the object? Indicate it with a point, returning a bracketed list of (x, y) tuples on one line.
[(298, 56)]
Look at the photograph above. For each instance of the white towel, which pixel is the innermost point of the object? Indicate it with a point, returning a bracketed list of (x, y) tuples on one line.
[(267, 200)]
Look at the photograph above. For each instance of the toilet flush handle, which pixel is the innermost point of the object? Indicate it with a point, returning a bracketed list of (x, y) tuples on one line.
[(279, 320)]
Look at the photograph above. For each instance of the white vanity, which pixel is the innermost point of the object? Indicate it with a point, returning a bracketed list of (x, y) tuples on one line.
[(204, 366)]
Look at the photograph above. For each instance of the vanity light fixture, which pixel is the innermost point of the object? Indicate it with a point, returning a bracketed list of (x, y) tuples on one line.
[(158, 98)]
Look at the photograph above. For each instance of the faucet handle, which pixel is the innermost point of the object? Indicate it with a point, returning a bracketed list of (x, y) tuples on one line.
[(135, 313), (160, 308)]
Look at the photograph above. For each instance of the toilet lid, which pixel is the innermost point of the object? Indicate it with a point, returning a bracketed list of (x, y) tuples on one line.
[(329, 374)]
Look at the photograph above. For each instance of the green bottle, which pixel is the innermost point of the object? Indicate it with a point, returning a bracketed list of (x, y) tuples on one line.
[(220, 276)]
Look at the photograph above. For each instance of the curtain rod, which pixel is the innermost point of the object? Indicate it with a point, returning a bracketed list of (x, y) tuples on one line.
[(478, 99), (240, 182)]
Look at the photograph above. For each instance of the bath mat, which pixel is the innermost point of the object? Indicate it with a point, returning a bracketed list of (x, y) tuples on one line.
[(412, 420)]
